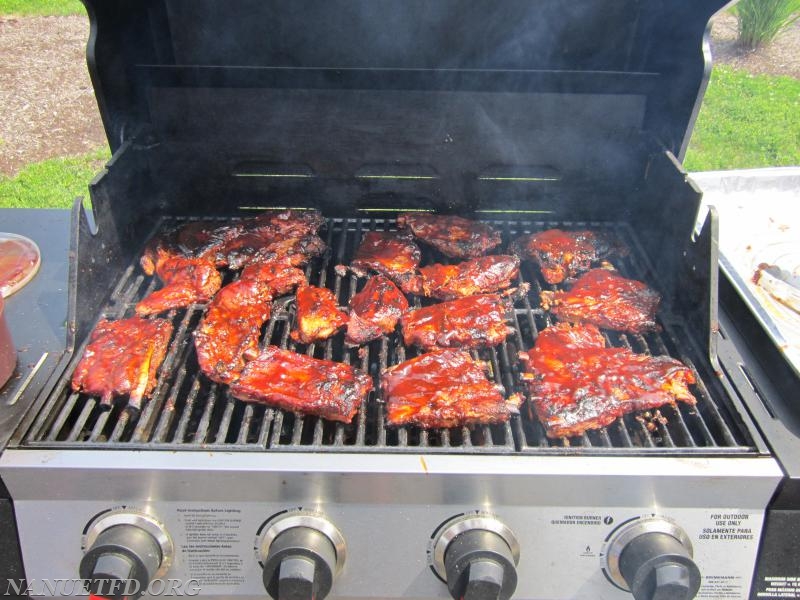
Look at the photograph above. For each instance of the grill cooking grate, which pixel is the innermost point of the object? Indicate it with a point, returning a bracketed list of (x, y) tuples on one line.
[(190, 412)]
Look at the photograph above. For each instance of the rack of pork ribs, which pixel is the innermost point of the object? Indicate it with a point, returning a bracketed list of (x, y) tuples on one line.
[(574, 381)]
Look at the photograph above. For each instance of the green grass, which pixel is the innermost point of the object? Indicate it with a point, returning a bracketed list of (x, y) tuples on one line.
[(41, 7), (53, 183), (746, 121)]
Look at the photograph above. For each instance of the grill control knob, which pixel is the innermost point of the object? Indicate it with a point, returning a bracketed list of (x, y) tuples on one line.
[(476, 556), (652, 558), (123, 552), (302, 553)]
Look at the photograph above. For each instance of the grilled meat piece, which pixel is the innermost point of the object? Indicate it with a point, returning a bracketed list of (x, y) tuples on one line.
[(563, 254), (229, 333), (608, 300), (186, 281), (477, 276), (123, 357), (318, 315), (375, 310), (453, 236), (444, 388), (464, 323), (295, 250), (393, 254), (300, 383), (234, 245), (577, 384)]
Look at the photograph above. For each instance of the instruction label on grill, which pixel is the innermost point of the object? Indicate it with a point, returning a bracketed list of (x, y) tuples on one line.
[(728, 527), (722, 587), (573, 519), (779, 587), (212, 535)]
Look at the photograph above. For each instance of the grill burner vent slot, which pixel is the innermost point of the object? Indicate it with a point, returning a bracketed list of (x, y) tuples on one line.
[(189, 412)]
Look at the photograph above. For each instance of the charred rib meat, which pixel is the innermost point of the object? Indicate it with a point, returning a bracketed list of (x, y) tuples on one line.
[(608, 300), (375, 310), (318, 315), (477, 276), (297, 382), (229, 333), (392, 254), (453, 236), (123, 357), (186, 281), (234, 245), (577, 384), (444, 388), (562, 254), (464, 323)]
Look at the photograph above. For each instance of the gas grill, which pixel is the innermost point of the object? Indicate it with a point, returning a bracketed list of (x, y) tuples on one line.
[(528, 116)]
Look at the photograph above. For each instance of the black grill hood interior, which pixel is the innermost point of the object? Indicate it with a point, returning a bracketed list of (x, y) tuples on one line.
[(448, 94)]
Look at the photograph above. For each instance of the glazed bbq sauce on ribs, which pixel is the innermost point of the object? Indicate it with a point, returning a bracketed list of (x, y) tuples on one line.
[(318, 315), (300, 383), (187, 281), (453, 236), (477, 276), (563, 254), (123, 357), (375, 310), (390, 253), (443, 388), (576, 383), (608, 300), (230, 331), (468, 322)]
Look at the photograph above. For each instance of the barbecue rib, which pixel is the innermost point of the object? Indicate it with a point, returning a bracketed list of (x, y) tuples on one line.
[(608, 300), (562, 254), (453, 236), (464, 323), (318, 315), (230, 330), (375, 310), (123, 357), (444, 388), (477, 276), (184, 241), (300, 383), (186, 281), (577, 384), (393, 254), (235, 245)]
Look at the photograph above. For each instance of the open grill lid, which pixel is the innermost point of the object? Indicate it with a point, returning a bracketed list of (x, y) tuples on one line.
[(455, 91)]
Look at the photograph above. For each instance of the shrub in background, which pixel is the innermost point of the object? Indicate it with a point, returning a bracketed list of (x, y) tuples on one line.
[(761, 20)]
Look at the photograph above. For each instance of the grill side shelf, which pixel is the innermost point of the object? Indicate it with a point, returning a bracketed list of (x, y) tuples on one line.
[(187, 411)]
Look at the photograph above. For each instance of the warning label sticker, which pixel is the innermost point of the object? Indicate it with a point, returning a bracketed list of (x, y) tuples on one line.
[(729, 527), (779, 587), (722, 587)]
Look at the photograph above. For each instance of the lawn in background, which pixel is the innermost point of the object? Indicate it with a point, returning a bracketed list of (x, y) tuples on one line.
[(53, 183), (41, 7), (746, 121)]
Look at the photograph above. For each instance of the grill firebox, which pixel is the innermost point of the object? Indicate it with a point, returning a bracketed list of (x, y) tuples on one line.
[(187, 411)]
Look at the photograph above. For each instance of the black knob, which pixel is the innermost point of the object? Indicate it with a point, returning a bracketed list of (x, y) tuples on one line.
[(300, 565), (121, 562), (657, 566), (480, 566)]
